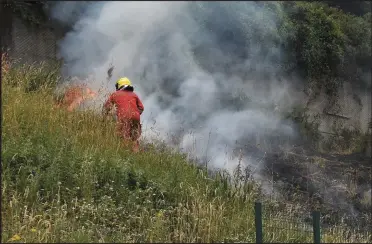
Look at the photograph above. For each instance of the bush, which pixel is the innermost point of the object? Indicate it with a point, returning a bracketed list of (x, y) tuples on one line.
[(331, 44)]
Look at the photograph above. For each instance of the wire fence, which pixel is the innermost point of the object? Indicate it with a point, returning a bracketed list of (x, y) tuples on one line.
[(272, 226), (29, 44), (290, 229)]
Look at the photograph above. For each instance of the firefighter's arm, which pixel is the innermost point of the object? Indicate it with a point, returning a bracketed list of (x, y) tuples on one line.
[(140, 105)]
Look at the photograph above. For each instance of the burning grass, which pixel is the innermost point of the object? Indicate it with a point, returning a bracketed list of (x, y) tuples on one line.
[(66, 178), (74, 96)]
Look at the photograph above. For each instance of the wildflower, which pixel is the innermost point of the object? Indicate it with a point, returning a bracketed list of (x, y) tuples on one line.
[(15, 238), (159, 214), (33, 230)]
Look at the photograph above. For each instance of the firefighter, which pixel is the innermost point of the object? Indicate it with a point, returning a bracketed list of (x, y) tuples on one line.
[(128, 111)]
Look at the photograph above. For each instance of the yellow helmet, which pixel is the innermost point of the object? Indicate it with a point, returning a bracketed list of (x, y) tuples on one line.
[(122, 83)]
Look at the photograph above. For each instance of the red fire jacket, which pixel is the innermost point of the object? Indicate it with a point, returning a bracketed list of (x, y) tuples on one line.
[(128, 105)]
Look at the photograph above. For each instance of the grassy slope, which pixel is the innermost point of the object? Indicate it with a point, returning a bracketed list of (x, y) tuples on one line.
[(65, 177)]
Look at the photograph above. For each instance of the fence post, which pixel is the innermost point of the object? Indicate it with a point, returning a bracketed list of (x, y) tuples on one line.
[(316, 226), (258, 221)]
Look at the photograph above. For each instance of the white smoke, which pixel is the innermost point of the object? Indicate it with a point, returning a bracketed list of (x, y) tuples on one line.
[(206, 72)]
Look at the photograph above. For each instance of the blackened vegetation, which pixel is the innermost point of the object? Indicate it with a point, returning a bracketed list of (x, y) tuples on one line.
[(334, 184)]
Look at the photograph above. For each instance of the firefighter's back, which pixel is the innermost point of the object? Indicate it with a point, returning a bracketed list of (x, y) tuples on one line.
[(126, 105)]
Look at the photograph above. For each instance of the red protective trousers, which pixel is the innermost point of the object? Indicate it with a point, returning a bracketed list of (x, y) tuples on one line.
[(128, 111), (130, 131)]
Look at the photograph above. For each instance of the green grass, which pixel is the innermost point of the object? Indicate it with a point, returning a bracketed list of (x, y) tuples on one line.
[(67, 178)]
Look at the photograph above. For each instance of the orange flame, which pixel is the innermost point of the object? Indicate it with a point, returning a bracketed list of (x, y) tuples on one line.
[(75, 95)]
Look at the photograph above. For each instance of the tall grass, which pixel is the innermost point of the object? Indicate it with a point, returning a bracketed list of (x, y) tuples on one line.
[(67, 178)]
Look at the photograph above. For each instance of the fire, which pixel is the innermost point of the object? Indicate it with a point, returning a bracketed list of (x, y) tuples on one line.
[(75, 95)]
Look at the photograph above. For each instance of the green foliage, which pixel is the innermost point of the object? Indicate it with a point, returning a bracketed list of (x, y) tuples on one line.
[(320, 40), (326, 45), (34, 77), (323, 38), (357, 59)]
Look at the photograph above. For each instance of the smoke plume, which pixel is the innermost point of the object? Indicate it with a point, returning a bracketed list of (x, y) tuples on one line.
[(207, 72)]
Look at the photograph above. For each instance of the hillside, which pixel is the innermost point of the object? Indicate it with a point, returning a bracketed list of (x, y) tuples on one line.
[(255, 101), (65, 177)]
